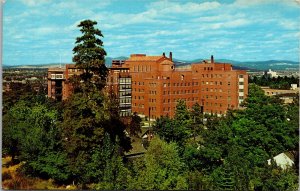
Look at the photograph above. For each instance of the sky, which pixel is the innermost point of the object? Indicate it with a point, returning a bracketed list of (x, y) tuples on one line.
[(44, 31)]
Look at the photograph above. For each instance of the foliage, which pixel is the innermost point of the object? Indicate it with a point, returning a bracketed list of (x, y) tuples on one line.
[(31, 134), (135, 125), (89, 56), (21, 91), (89, 115), (260, 132), (177, 129), (161, 168), (87, 118), (276, 83)]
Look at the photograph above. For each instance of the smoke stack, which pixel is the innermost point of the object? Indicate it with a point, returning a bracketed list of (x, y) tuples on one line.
[(212, 59), (171, 56), (164, 55)]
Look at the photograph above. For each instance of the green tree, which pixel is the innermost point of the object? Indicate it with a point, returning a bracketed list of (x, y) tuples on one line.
[(178, 129), (14, 129), (162, 168), (86, 119), (89, 55), (89, 113), (135, 125), (113, 173), (33, 131)]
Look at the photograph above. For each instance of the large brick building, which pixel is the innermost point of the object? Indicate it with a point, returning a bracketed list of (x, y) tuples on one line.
[(152, 85)]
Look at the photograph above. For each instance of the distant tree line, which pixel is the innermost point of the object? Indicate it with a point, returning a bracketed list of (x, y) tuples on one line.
[(82, 140), (275, 83)]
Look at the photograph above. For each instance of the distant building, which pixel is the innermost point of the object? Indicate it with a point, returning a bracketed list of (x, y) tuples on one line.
[(270, 74), (152, 85), (283, 161), (286, 95), (294, 86), (59, 87)]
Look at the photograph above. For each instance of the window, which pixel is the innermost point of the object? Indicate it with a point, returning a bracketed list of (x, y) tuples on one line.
[(241, 83), (241, 90), (241, 97), (182, 77), (241, 76), (221, 83)]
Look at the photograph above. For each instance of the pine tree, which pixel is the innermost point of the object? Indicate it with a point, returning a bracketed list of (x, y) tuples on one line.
[(89, 55)]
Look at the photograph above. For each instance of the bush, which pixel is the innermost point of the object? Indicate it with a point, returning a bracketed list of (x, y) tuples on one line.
[(6, 176)]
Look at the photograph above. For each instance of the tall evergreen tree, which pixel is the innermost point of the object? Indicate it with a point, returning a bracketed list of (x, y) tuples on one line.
[(89, 114), (89, 55)]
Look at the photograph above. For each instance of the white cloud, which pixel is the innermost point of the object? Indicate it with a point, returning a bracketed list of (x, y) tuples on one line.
[(186, 8), (247, 3), (289, 24), (33, 3)]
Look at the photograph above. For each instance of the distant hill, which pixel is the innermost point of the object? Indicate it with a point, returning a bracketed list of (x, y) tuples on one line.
[(245, 65), (248, 65)]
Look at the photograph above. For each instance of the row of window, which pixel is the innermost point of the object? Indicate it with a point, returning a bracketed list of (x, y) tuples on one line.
[(188, 83), (124, 100), (139, 90), (139, 97), (181, 92), (141, 68), (208, 68), (139, 83), (213, 83), (75, 70), (214, 97), (139, 105), (125, 80), (125, 93), (184, 99), (213, 90), (125, 113), (124, 87), (152, 92)]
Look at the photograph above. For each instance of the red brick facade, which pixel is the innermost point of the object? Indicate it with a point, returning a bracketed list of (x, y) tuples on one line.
[(154, 84), (157, 84)]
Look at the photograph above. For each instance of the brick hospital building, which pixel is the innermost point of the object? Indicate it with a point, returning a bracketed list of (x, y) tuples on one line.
[(152, 85)]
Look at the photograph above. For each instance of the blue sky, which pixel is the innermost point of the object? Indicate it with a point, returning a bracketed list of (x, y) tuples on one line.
[(44, 31)]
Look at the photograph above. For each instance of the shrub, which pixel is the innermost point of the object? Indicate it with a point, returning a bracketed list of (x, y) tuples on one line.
[(6, 176)]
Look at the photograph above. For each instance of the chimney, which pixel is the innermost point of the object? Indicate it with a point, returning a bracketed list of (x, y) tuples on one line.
[(171, 56), (164, 55), (212, 59)]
